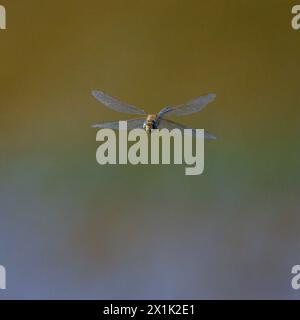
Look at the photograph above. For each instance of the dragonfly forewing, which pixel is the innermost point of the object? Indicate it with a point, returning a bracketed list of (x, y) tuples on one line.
[(190, 107), (116, 105)]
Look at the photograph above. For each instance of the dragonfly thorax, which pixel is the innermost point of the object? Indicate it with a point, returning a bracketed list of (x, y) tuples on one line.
[(150, 123)]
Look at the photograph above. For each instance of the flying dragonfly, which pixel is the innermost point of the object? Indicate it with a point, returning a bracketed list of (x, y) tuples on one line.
[(153, 121)]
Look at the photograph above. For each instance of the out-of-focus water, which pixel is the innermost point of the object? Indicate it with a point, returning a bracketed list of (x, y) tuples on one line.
[(70, 228)]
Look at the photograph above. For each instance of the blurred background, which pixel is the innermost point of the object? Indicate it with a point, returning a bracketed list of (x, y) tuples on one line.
[(70, 228)]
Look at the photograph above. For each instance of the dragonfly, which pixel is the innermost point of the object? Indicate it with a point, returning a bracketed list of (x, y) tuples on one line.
[(150, 122)]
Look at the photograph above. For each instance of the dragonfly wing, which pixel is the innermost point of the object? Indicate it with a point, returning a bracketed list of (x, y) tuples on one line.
[(168, 124), (190, 107), (131, 124), (115, 104)]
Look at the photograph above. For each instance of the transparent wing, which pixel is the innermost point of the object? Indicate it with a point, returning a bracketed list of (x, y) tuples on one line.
[(190, 107), (168, 124), (115, 104), (131, 124)]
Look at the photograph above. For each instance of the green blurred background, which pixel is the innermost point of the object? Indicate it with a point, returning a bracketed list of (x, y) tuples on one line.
[(70, 228)]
